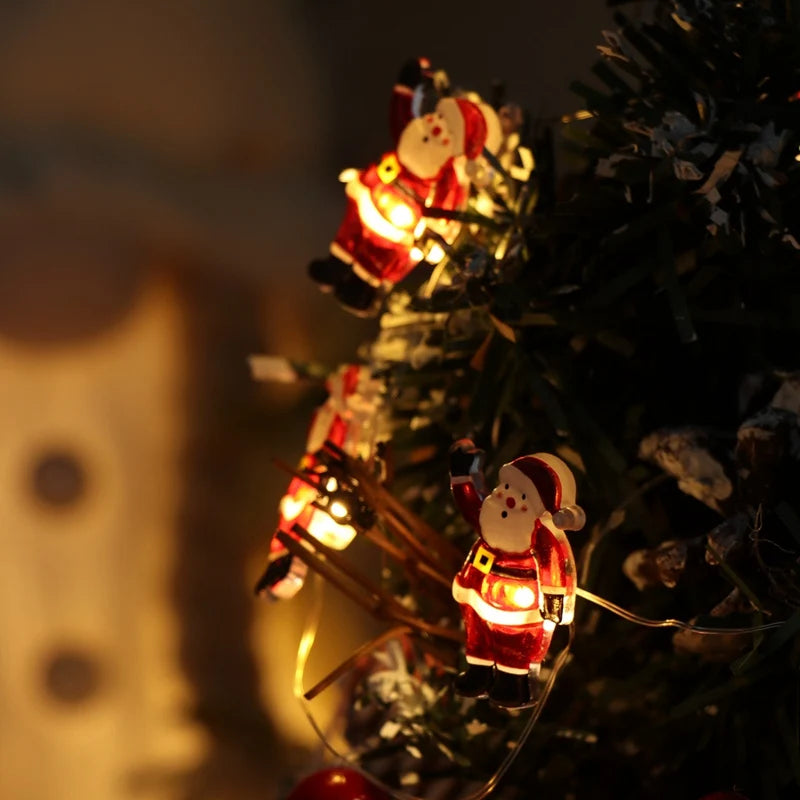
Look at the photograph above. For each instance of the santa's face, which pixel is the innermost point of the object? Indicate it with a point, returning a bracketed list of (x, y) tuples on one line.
[(425, 145), (508, 515)]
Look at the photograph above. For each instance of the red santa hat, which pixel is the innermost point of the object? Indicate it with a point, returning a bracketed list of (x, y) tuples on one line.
[(467, 124), (548, 476), (407, 93)]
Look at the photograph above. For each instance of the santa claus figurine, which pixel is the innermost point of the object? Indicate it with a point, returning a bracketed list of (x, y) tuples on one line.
[(518, 581), (352, 419), (391, 204)]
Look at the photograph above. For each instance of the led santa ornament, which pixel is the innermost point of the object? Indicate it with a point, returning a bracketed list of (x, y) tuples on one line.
[(391, 204), (518, 581), (351, 419)]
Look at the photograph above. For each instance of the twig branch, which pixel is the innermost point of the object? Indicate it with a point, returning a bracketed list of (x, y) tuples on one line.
[(426, 542), (348, 663), (354, 585)]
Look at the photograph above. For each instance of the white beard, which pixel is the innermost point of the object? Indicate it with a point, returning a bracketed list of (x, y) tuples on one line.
[(512, 533)]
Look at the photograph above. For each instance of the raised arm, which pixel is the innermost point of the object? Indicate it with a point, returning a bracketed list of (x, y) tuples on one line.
[(466, 479)]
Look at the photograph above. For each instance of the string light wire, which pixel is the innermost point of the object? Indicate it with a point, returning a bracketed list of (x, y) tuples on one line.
[(669, 623), (304, 649), (309, 636)]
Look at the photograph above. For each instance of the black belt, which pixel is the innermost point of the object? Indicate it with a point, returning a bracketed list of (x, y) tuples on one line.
[(483, 560)]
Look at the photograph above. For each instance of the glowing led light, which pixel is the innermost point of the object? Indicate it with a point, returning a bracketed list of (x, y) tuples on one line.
[(338, 510), (291, 507), (522, 596), (330, 532), (436, 254), (491, 613), (401, 215), (331, 484), (416, 254), (371, 217)]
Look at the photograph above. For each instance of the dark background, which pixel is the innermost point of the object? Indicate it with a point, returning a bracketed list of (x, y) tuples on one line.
[(167, 170)]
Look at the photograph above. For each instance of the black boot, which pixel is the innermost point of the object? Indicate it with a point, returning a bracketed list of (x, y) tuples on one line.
[(283, 578), (474, 681), (327, 272), (510, 690), (357, 296), (276, 571)]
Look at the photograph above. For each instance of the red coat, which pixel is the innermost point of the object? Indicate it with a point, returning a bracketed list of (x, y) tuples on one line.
[(506, 588), (385, 204), (335, 422)]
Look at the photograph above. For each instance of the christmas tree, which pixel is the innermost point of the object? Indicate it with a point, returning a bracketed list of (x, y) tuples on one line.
[(639, 321)]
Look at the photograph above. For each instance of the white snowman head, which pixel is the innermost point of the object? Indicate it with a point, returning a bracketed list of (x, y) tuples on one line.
[(530, 488)]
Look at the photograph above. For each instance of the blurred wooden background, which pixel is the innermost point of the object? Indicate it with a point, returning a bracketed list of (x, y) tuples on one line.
[(166, 172)]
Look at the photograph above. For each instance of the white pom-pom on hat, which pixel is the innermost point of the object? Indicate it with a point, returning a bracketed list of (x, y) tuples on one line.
[(468, 123), (552, 480)]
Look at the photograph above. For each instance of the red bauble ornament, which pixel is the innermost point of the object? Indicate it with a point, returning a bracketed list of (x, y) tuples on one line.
[(336, 783)]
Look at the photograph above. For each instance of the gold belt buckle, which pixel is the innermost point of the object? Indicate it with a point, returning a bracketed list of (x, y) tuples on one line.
[(389, 168), (483, 560)]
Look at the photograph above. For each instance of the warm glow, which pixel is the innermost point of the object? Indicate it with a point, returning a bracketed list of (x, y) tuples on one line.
[(416, 254), (329, 532), (522, 596), (371, 217), (484, 204), (338, 510), (510, 594), (436, 254), (499, 616), (401, 215), (291, 507), (523, 171), (331, 485)]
